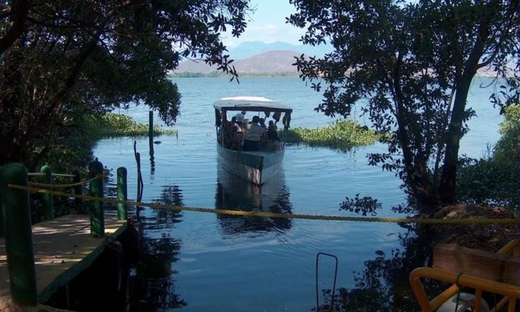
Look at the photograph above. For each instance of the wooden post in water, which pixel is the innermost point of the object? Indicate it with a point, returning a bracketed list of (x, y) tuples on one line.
[(18, 235), (150, 131), (97, 220), (47, 198), (150, 142), (122, 193), (150, 125)]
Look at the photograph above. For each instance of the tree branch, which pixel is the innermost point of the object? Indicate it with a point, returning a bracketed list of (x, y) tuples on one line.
[(20, 12)]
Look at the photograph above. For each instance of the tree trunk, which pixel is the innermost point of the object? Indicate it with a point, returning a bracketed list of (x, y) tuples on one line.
[(415, 165), (451, 156), (447, 187)]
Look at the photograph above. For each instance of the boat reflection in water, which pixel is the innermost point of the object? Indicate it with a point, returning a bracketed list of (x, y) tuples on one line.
[(234, 193)]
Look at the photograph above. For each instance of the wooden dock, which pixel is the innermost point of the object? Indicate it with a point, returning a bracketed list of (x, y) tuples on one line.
[(63, 248)]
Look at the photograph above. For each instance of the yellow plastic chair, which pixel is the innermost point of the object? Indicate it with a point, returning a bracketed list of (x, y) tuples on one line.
[(453, 297)]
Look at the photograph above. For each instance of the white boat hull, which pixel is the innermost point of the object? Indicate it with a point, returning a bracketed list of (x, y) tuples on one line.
[(257, 167)]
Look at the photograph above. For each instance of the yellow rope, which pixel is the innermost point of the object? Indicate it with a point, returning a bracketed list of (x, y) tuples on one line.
[(272, 214), (52, 185)]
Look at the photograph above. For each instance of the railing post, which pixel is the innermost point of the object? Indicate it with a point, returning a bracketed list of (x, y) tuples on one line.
[(18, 235), (97, 220), (78, 189), (122, 193), (48, 198)]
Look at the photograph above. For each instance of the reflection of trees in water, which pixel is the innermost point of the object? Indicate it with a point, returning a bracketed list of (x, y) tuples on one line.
[(383, 284), (164, 218), (153, 286), (233, 193)]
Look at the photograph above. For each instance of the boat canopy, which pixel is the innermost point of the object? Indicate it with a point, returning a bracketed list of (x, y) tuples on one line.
[(250, 103)]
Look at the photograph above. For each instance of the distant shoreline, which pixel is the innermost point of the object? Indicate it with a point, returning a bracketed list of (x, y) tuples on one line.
[(216, 74)]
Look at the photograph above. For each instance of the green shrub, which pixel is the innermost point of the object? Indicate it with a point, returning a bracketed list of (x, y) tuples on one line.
[(342, 135), (488, 182), (117, 125), (494, 181), (507, 147)]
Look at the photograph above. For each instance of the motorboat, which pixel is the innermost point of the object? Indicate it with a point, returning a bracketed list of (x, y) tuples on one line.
[(256, 165)]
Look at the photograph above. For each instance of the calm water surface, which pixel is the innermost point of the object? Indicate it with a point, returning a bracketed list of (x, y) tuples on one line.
[(208, 262)]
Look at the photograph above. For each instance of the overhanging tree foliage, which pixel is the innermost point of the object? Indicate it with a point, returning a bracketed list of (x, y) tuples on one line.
[(414, 61), (62, 59), (493, 180)]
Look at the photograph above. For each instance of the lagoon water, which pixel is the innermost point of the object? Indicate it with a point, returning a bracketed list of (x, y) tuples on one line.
[(194, 261)]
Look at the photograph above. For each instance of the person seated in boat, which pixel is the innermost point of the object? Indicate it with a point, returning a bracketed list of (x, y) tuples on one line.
[(233, 135), (253, 135), (273, 140), (240, 118), (236, 142), (236, 126), (227, 128), (231, 126), (261, 122), (272, 132)]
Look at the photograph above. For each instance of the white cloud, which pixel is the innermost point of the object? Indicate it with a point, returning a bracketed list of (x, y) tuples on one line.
[(267, 24)]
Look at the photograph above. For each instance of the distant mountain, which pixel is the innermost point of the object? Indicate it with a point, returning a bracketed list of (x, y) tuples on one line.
[(263, 63), (250, 48), (258, 57)]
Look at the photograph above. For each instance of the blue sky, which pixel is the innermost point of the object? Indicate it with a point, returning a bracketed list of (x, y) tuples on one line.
[(267, 24)]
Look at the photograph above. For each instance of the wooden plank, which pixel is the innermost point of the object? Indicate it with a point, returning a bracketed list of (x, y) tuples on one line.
[(63, 248), (478, 263)]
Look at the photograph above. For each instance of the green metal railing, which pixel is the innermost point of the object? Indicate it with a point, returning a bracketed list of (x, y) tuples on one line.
[(16, 225)]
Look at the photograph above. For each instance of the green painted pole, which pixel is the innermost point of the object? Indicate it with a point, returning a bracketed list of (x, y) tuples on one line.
[(122, 193), (47, 198), (78, 189), (18, 236), (97, 220)]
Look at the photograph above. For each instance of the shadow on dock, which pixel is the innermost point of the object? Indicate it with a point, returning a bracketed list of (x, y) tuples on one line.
[(75, 271)]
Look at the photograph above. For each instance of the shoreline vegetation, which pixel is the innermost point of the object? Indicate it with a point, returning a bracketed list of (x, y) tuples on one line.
[(340, 135), (217, 74), (119, 125), (74, 148), (76, 144)]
